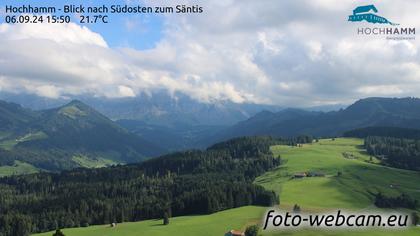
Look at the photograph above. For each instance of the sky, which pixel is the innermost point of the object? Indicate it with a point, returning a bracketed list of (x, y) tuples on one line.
[(288, 53)]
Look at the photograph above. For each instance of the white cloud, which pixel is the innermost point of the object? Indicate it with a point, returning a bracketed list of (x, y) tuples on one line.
[(125, 91), (293, 53), (314, 50), (48, 91), (59, 33), (385, 90)]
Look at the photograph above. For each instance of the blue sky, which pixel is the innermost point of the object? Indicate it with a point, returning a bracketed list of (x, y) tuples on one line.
[(123, 30)]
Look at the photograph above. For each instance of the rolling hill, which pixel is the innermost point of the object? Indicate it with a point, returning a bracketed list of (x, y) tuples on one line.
[(353, 190), (66, 137)]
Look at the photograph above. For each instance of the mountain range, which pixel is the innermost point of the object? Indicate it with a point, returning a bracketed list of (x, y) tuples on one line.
[(175, 121), (77, 135), (158, 108), (370, 112)]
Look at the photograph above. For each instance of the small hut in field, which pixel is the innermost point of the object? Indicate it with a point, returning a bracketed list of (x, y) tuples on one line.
[(235, 233)]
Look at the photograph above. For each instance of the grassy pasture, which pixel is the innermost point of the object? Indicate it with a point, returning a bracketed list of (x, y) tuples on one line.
[(17, 169), (210, 225)]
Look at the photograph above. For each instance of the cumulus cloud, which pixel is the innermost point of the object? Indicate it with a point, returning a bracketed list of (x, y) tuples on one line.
[(63, 33), (293, 53)]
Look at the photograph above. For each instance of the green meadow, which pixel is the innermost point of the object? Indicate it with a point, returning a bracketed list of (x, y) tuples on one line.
[(18, 168), (351, 177), (87, 162), (8, 143), (353, 189), (215, 224)]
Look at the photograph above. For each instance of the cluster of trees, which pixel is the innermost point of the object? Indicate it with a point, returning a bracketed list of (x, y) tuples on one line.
[(58, 233), (183, 183), (252, 230), (396, 152), (402, 201), (415, 218), (249, 144)]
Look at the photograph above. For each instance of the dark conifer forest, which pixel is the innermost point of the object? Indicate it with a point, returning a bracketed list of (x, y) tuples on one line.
[(395, 152), (183, 183), (402, 201)]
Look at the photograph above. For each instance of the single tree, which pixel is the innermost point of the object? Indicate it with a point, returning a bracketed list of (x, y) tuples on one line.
[(252, 230), (415, 218), (296, 208), (166, 218), (58, 233)]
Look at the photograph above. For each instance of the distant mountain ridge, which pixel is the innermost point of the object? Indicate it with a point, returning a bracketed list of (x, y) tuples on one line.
[(174, 121), (380, 131), (370, 112), (157, 108)]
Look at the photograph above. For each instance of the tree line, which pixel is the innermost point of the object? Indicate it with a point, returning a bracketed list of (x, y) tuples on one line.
[(402, 201)]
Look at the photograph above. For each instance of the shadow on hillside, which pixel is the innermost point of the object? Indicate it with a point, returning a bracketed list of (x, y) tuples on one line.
[(157, 223)]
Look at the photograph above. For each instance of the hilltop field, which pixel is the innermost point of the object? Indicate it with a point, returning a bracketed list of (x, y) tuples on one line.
[(360, 177)]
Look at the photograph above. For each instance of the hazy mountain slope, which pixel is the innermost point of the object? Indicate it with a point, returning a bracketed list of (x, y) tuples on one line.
[(13, 116), (171, 138), (394, 112), (157, 108), (174, 121), (380, 131), (76, 126), (69, 136)]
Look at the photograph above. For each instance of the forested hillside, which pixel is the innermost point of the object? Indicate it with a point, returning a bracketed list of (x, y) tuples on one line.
[(396, 152), (70, 136), (183, 183)]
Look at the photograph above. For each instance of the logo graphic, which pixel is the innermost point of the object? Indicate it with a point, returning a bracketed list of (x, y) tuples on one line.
[(366, 13)]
